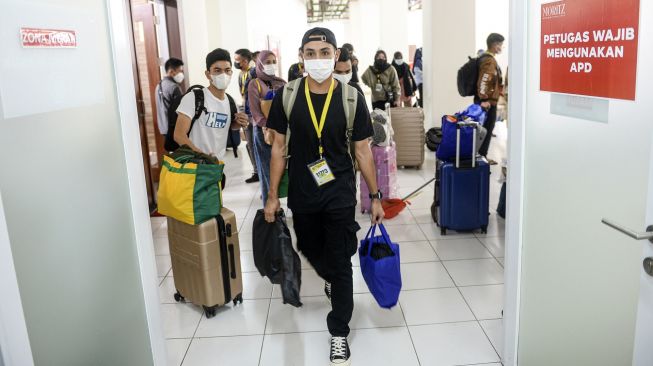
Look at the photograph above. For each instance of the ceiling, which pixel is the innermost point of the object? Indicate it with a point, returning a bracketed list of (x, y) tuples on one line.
[(321, 10)]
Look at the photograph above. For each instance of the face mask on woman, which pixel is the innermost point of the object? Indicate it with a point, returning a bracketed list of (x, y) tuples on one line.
[(399, 61), (270, 69), (379, 63)]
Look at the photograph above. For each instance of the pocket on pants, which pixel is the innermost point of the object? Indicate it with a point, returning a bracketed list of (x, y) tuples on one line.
[(351, 241)]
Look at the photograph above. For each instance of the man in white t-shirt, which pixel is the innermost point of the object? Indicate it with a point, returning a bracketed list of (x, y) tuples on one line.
[(209, 130)]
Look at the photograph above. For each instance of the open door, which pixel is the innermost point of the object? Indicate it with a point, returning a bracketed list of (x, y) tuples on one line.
[(149, 75)]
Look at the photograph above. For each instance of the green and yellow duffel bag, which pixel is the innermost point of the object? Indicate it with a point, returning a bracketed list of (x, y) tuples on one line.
[(190, 192)]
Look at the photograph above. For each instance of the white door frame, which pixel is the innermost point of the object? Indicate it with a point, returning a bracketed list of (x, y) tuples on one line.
[(124, 78), (14, 339), (515, 193)]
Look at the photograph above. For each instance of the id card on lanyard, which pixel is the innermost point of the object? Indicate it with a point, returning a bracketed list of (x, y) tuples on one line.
[(320, 170)]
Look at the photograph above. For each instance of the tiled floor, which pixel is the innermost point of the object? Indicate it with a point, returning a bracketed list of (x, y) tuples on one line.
[(449, 311)]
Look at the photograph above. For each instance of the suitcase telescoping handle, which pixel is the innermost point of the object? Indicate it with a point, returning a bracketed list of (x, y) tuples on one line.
[(460, 125), (232, 261)]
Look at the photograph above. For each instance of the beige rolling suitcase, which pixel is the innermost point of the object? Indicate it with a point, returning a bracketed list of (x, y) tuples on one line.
[(206, 262), (409, 136)]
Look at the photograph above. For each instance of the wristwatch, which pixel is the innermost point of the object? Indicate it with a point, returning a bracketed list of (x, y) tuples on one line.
[(378, 195)]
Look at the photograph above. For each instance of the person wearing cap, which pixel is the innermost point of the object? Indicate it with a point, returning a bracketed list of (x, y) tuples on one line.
[(208, 134), (322, 187)]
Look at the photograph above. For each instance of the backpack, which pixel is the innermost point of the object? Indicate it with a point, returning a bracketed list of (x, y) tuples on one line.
[(433, 138), (468, 77), (170, 143), (349, 102)]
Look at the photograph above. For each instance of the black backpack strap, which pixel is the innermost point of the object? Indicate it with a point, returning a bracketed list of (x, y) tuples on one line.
[(234, 109), (199, 107)]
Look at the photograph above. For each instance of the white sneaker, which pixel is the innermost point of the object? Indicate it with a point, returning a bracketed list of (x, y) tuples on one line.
[(340, 355)]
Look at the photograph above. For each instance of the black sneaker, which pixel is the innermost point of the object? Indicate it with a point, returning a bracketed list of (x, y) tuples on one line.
[(252, 179), (327, 290), (340, 352)]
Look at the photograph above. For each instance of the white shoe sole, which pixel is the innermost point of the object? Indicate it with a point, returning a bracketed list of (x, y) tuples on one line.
[(346, 363)]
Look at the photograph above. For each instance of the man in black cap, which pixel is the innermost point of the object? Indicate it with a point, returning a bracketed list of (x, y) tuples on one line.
[(326, 118)]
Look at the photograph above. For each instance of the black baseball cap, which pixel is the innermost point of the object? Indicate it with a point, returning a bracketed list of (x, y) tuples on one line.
[(319, 34)]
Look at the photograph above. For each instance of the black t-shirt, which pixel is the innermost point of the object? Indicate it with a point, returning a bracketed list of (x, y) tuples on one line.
[(304, 195)]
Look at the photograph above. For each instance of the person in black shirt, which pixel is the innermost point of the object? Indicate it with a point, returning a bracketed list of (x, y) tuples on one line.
[(343, 71), (323, 208)]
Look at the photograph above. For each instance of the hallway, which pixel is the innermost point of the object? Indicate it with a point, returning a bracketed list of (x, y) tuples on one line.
[(449, 311)]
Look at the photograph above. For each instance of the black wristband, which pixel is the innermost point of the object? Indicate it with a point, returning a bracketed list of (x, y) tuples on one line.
[(378, 195)]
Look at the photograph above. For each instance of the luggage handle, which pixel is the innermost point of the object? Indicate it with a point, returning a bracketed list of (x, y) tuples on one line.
[(458, 126), (232, 261)]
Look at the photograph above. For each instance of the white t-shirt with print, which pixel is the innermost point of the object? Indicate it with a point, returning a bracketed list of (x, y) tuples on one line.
[(211, 130)]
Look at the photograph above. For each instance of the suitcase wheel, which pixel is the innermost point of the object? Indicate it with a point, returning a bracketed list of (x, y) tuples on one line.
[(238, 299), (443, 231), (179, 298), (209, 311), (484, 230)]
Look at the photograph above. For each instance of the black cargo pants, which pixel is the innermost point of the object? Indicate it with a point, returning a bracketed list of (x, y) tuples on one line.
[(328, 240)]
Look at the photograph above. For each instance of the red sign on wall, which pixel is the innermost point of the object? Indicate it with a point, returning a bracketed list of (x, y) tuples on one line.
[(48, 38), (589, 47)]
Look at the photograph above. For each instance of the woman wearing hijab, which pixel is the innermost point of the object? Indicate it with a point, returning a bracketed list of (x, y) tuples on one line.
[(406, 80), (383, 81), (261, 92)]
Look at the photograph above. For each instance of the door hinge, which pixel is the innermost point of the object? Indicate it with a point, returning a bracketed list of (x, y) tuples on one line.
[(157, 20)]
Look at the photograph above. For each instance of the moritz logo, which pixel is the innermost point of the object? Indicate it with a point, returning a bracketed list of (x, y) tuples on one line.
[(554, 11)]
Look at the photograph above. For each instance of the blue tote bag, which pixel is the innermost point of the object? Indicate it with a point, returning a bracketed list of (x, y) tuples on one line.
[(379, 258)]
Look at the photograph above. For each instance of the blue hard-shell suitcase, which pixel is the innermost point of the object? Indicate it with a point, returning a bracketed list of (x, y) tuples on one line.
[(462, 195)]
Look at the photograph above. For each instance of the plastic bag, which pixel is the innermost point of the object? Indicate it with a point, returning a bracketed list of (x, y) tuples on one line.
[(275, 257), (475, 112), (379, 258)]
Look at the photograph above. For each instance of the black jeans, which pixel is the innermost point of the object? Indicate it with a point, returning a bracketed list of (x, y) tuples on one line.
[(380, 105), (489, 126), (420, 100), (328, 240), (249, 134)]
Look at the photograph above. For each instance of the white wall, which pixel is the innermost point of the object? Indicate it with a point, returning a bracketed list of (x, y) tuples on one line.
[(492, 16), (231, 25), (447, 44), (195, 39)]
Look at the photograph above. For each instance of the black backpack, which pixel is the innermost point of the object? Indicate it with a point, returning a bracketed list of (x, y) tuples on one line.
[(433, 138), (170, 143), (468, 77)]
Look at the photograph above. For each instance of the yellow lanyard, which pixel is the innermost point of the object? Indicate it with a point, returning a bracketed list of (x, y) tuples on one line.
[(320, 127), (243, 80)]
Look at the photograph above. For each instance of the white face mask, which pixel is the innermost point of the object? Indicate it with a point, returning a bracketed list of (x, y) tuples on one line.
[(320, 69), (178, 78), (343, 78), (399, 61), (221, 81), (270, 69)]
